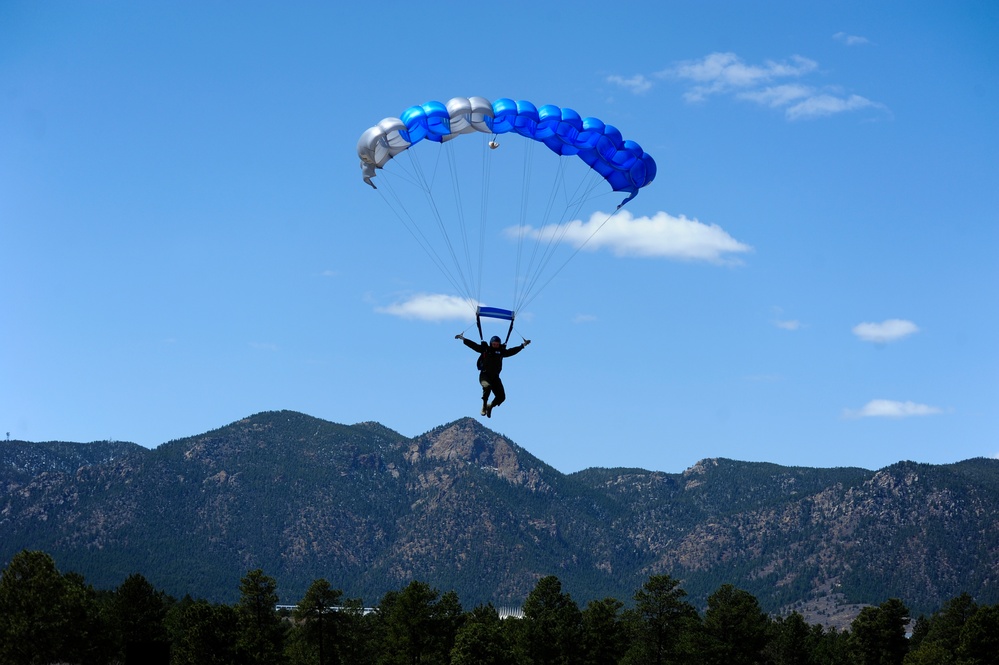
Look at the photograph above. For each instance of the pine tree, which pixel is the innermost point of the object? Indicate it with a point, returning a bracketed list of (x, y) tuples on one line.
[(734, 628), (877, 635), (481, 639), (553, 624), (604, 636), (318, 616), (261, 632), (663, 624), (44, 616)]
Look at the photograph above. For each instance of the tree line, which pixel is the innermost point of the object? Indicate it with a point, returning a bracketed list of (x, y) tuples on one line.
[(50, 617)]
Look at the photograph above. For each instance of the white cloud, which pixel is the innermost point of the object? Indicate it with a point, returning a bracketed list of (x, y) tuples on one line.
[(584, 318), (823, 104), (778, 95), (659, 236), (431, 307), (636, 84), (725, 72), (785, 324), (773, 83), (886, 331), (886, 408), (802, 102), (850, 40)]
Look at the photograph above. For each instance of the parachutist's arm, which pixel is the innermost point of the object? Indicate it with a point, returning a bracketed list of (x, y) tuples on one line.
[(517, 349), (472, 345)]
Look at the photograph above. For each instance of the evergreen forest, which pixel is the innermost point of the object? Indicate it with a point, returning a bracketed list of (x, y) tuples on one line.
[(51, 617)]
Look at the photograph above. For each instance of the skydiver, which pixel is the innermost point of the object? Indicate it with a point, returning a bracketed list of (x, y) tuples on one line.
[(490, 365)]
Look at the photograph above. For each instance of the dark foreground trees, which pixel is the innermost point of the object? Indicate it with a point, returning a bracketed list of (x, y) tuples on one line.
[(261, 630), (319, 621), (203, 633), (960, 633), (878, 634), (553, 625), (417, 625), (482, 639), (48, 617), (735, 629), (663, 624)]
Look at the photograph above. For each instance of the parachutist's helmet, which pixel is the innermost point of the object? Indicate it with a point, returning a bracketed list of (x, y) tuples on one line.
[(495, 340)]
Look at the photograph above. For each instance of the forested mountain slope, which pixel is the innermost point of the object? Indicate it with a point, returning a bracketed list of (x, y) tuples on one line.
[(464, 508)]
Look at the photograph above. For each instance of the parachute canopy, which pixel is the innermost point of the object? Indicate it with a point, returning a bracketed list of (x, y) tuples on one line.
[(622, 163), (445, 192)]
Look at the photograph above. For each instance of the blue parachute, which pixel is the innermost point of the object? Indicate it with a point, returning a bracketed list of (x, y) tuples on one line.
[(623, 164), (438, 194)]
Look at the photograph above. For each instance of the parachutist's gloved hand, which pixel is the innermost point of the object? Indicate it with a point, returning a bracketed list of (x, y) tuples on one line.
[(526, 342), (460, 336)]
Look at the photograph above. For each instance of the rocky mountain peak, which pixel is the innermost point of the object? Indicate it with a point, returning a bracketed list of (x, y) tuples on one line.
[(700, 468), (467, 441)]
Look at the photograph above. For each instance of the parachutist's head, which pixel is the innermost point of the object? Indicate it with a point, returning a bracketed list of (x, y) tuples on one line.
[(495, 341)]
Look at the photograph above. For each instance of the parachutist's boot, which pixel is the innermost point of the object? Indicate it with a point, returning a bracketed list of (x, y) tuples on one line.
[(489, 410), (486, 408)]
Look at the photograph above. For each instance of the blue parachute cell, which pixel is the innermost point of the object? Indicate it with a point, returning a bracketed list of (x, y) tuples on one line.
[(427, 121), (623, 164)]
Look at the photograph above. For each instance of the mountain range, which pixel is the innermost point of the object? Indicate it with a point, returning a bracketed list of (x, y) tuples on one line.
[(464, 508)]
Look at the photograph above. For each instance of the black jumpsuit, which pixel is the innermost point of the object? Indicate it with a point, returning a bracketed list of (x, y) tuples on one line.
[(491, 366)]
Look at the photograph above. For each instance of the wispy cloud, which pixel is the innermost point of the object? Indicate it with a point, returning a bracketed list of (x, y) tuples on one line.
[(887, 331), (783, 323), (821, 104), (851, 40), (777, 84), (886, 408), (430, 307), (584, 318), (636, 84), (720, 73), (659, 236), (776, 96)]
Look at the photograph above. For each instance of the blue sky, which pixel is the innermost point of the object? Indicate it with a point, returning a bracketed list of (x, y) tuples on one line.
[(812, 279)]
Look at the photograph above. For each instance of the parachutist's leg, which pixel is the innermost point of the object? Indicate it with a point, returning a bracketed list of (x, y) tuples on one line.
[(486, 389), (499, 395)]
